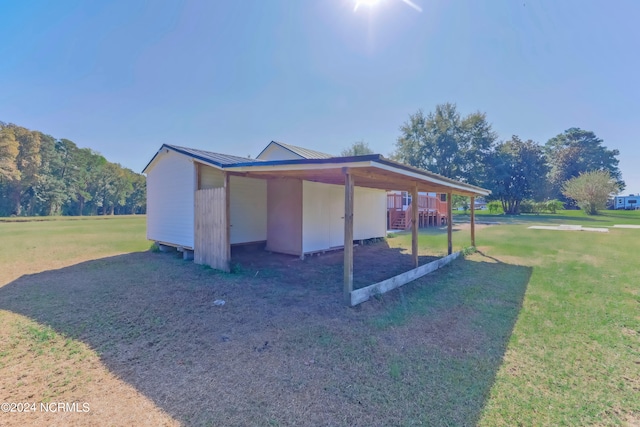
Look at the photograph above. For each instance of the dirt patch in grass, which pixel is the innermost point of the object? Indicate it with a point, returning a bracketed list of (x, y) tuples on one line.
[(282, 350)]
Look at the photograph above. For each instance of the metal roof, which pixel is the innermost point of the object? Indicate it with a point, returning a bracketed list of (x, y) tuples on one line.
[(376, 171), (383, 173), (216, 159), (210, 157)]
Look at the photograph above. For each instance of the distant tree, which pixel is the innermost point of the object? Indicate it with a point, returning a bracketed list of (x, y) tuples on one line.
[(444, 143), (50, 190), (28, 161), (40, 175), (9, 173), (8, 155), (359, 148), (576, 151), (460, 202), (591, 190), (89, 165), (137, 200), (478, 142), (518, 167)]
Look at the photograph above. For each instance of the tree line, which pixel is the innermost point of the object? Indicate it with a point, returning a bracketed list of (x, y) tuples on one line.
[(42, 175), (467, 149)]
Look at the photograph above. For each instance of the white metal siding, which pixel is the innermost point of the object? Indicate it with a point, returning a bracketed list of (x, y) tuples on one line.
[(248, 210), (170, 199), (323, 215), (210, 177), (275, 152), (369, 212)]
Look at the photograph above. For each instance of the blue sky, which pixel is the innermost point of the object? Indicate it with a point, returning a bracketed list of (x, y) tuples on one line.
[(123, 77)]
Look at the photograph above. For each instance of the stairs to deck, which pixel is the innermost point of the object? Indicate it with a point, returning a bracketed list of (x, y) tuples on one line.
[(400, 222)]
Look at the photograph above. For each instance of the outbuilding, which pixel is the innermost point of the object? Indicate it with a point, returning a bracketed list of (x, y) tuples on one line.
[(297, 201)]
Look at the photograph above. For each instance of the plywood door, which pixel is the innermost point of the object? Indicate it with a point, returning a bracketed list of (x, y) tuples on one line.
[(212, 229)]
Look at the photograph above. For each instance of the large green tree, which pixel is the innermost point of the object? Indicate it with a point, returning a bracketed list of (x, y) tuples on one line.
[(576, 151), (518, 169), (445, 143)]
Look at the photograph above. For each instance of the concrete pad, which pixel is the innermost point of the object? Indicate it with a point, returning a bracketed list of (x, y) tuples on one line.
[(568, 228)]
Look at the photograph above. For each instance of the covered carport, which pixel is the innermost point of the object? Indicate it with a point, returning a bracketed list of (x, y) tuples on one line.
[(370, 171)]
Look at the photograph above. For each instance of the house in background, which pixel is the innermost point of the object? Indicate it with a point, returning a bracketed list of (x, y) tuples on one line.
[(432, 210)]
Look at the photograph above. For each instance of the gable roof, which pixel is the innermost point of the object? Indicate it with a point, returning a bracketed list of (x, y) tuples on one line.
[(216, 159), (304, 153), (371, 170)]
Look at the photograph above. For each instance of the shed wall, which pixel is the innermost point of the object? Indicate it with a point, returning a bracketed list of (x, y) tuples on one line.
[(275, 152), (284, 216), (369, 213), (209, 177), (323, 215), (170, 199), (248, 210)]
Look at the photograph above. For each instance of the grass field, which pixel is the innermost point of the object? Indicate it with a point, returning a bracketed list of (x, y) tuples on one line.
[(537, 328)]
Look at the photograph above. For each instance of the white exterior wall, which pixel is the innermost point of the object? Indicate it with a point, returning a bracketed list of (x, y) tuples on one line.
[(323, 215), (170, 199), (275, 152), (248, 210), (210, 177), (369, 213)]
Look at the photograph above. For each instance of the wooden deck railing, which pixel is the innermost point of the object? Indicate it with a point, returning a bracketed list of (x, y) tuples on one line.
[(394, 207), (428, 206)]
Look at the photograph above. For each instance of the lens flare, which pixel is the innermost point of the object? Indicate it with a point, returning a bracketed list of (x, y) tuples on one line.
[(373, 3), (368, 3)]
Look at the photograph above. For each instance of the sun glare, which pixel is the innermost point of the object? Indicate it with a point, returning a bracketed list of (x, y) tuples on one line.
[(368, 3), (373, 3)]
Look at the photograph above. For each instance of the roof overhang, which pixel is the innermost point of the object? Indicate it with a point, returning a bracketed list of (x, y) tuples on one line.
[(372, 171)]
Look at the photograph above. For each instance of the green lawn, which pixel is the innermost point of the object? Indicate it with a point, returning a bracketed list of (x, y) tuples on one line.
[(537, 328), (53, 242), (605, 218), (573, 357)]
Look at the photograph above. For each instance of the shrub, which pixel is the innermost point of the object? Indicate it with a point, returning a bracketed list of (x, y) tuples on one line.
[(495, 207), (553, 206), (527, 206), (591, 190)]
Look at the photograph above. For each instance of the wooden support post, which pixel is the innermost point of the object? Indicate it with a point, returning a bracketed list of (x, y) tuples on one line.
[(449, 224), (414, 225), (348, 235), (227, 214), (473, 221)]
